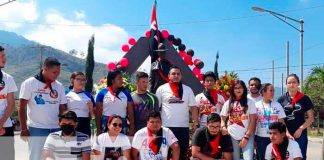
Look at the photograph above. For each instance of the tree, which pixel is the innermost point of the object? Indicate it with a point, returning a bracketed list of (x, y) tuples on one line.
[(90, 65), (73, 52), (314, 87)]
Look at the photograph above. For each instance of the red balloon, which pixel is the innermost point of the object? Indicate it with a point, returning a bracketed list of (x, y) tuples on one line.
[(200, 76), (125, 48), (131, 41), (124, 62), (196, 71), (111, 66), (182, 53), (148, 33), (165, 34), (196, 61), (188, 60)]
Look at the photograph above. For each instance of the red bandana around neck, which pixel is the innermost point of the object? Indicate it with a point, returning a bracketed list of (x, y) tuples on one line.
[(153, 142), (112, 92), (48, 84), (276, 152), (214, 144), (296, 98), (214, 95), (174, 88)]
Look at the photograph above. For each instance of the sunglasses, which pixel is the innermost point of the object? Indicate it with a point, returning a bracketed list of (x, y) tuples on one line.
[(117, 124)]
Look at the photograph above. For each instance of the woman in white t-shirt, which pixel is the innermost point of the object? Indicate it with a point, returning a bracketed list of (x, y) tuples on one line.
[(241, 115), (115, 99), (268, 111), (112, 144), (81, 102)]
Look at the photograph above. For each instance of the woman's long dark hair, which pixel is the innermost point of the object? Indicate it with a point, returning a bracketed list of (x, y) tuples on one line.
[(243, 100), (73, 75), (110, 77)]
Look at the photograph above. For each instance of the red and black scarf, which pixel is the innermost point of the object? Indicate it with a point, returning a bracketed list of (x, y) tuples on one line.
[(155, 142), (176, 89), (212, 96), (114, 94), (41, 78), (214, 142), (296, 98), (279, 152)]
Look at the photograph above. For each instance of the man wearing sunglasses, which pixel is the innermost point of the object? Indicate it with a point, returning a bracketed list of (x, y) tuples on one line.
[(209, 143), (153, 141)]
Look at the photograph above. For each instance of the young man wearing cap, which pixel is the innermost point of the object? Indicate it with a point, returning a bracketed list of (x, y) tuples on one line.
[(68, 143), (209, 143), (176, 100), (7, 105), (281, 148), (144, 101), (159, 69), (44, 99)]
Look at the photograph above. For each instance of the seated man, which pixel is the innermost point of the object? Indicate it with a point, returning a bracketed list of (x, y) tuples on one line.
[(281, 148), (153, 141), (208, 143), (67, 144)]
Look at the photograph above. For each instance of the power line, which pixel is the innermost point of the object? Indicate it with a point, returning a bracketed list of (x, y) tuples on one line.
[(168, 24)]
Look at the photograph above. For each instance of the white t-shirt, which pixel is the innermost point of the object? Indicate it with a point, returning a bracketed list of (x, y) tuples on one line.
[(113, 105), (293, 151), (206, 107), (175, 111), (68, 149), (259, 98), (266, 114), (77, 102), (104, 144), (141, 143), (8, 87), (238, 120), (43, 105)]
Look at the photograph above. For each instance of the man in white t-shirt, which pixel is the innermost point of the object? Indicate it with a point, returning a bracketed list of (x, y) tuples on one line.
[(67, 144), (175, 100), (153, 141), (209, 101), (7, 105), (254, 87), (44, 99), (281, 147)]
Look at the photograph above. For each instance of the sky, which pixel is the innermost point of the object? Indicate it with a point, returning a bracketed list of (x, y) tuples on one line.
[(247, 41)]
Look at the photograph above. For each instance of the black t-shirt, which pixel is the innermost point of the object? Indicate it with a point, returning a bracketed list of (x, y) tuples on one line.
[(200, 139), (296, 114)]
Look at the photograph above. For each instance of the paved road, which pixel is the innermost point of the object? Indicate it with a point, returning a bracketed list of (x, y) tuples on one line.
[(314, 151)]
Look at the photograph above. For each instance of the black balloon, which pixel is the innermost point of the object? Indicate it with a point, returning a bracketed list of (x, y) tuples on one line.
[(171, 37), (177, 41), (190, 52), (182, 47), (200, 64)]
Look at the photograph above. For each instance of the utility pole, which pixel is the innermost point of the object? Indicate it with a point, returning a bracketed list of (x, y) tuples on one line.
[(287, 57), (282, 83), (273, 73), (41, 47)]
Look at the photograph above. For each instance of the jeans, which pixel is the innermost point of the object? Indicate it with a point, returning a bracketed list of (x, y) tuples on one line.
[(247, 150), (37, 140), (261, 143), (7, 144), (303, 141), (182, 134)]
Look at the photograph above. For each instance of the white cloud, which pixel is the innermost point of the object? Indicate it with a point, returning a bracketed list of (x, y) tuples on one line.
[(74, 34), (12, 14)]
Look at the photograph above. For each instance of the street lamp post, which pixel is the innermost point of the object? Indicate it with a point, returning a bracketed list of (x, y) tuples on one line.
[(300, 30)]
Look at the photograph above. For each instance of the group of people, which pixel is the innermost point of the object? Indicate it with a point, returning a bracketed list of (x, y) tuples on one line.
[(56, 122)]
